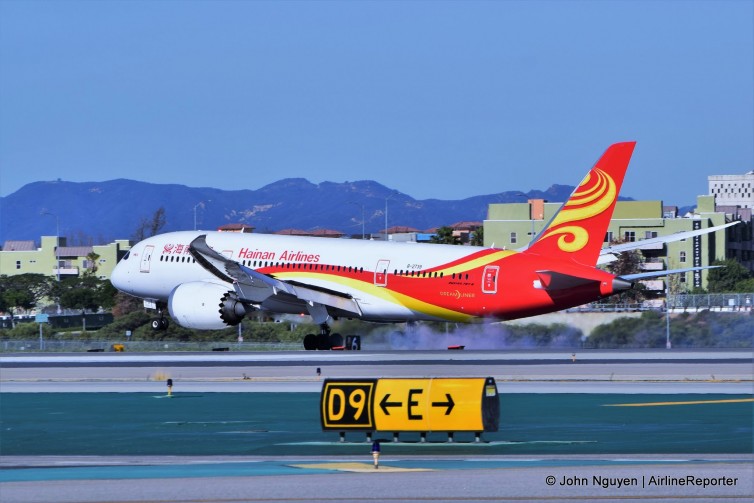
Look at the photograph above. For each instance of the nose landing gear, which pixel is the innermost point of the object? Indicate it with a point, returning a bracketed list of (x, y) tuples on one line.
[(160, 323)]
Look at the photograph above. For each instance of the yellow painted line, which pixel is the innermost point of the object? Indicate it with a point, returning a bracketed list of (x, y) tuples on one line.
[(696, 402), (357, 467)]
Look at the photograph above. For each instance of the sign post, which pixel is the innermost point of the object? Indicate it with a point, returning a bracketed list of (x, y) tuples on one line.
[(41, 318)]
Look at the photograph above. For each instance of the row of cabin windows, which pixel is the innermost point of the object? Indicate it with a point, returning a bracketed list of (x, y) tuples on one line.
[(425, 274), (316, 267), (174, 258), (284, 265), (418, 274), (301, 266)]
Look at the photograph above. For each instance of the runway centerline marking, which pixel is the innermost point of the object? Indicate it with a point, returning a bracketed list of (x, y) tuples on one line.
[(694, 402)]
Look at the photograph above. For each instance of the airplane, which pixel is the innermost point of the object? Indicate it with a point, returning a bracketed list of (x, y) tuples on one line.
[(212, 280)]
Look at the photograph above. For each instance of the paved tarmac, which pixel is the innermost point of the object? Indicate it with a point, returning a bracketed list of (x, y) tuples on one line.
[(695, 477), (674, 371), (714, 478)]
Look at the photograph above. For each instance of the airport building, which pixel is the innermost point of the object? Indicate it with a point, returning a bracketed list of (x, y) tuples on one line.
[(54, 258), (513, 225), (732, 190), (734, 196)]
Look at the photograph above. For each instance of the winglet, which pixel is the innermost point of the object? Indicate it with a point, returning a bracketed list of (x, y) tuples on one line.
[(578, 230)]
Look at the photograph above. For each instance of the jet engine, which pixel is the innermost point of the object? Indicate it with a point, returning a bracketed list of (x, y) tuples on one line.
[(205, 306)]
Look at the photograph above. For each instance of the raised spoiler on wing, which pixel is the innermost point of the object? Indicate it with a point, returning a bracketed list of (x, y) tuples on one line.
[(253, 287), (608, 253), (657, 274)]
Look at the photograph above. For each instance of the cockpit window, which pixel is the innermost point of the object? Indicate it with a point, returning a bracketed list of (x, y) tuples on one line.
[(125, 257)]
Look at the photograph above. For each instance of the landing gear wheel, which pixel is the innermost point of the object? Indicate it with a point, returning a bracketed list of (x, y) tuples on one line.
[(310, 342), (159, 324), (336, 340), (323, 342)]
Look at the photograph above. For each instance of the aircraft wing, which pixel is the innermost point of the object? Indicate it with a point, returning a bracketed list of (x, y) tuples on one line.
[(608, 253), (656, 274), (254, 287)]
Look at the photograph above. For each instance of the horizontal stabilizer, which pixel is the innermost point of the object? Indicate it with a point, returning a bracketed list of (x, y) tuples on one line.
[(553, 280)]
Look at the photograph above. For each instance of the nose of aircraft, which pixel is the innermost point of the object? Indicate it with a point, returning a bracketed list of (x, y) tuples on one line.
[(120, 277)]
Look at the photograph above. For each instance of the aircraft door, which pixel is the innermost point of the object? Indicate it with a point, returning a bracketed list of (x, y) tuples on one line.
[(489, 279), (146, 258), (380, 273)]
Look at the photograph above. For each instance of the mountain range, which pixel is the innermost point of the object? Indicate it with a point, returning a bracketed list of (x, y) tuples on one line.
[(99, 212)]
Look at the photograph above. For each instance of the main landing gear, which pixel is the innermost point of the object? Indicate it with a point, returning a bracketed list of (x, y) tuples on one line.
[(324, 340)]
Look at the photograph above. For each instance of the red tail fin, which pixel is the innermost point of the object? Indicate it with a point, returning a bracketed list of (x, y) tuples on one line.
[(578, 229)]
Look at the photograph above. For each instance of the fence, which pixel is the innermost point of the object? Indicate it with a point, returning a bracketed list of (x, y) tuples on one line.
[(92, 321), (712, 302), (723, 302)]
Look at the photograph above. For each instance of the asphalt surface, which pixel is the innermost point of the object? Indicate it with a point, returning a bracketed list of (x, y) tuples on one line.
[(687, 477)]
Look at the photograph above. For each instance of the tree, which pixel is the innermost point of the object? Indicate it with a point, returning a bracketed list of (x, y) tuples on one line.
[(477, 237), (445, 235), (124, 304), (728, 277), (150, 227), (628, 262), (22, 291), (92, 257), (732, 277), (86, 293)]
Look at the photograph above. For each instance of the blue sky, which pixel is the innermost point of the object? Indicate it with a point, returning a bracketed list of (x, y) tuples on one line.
[(435, 99)]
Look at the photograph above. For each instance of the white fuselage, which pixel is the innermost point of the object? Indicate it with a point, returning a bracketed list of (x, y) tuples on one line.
[(157, 265)]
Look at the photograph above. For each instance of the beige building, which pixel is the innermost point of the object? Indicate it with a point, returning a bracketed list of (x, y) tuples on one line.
[(20, 257)]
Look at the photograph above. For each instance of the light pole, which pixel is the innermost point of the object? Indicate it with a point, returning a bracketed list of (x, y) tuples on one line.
[(667, 315), (386, 199), (200, 203), (362, 218)]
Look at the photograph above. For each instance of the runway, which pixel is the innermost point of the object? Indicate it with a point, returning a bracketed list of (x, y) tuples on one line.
[(697, 449), (675, 371)]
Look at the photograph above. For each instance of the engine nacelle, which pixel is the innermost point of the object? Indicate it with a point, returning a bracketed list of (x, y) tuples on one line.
[(205, 306)]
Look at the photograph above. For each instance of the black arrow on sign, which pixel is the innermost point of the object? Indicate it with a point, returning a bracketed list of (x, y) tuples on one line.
[(449, 404), (384, 404)]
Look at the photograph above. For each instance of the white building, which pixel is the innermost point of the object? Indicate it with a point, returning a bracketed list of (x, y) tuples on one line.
[(732, 190)]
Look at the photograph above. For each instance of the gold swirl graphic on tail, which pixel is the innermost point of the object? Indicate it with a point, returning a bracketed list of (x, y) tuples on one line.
[(595, 194), (572, 237)]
